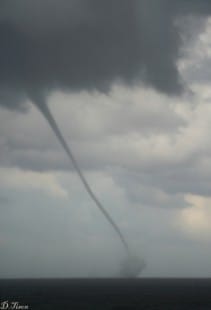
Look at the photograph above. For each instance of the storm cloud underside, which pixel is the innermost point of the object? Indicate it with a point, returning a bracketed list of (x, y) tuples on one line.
[(89, 45)]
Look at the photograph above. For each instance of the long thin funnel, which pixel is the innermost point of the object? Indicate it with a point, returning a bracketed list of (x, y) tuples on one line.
[(48, 116)]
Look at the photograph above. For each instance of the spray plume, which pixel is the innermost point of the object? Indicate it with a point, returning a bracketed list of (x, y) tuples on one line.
[(43, 107)]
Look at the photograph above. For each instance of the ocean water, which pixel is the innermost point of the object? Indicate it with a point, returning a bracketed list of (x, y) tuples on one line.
[(26, 294)]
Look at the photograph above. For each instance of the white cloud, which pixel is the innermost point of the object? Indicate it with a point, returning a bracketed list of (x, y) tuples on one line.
[(29, 180), (195, 219)]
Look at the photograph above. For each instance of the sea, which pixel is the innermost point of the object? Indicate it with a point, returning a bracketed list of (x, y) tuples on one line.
[(107, 294)]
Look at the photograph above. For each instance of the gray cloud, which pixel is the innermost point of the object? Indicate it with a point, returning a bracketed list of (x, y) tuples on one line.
[(164, 188), (74, 45), (4, 201), (165, 156)]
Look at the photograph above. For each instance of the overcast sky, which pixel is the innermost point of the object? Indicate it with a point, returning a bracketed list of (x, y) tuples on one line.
[(128, 83)]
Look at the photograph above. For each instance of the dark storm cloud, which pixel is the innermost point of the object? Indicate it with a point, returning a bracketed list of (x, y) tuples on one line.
[(191, 6), (89, 44)]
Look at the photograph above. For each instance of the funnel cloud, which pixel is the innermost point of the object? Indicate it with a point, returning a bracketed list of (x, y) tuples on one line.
[(40, 103)]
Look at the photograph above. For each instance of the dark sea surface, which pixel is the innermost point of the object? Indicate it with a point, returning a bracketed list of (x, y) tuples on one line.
[(105, 294)]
